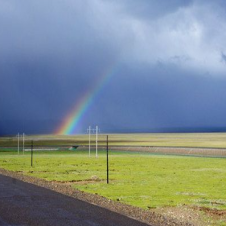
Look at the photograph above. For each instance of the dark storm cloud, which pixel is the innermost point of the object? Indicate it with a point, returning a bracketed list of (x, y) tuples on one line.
[(152, 9), (167, 102), (48, 30), (49, 56), (223, 56), (169, 54)]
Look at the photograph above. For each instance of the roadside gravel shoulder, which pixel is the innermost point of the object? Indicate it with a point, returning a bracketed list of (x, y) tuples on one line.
[(146, 216)]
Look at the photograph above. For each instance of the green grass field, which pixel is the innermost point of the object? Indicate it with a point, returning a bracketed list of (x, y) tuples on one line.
[(143, 180)]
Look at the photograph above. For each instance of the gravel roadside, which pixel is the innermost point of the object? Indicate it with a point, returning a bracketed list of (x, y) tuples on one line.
[(146, 216)]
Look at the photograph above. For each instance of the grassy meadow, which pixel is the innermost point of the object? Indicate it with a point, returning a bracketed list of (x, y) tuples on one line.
[(143, 180)]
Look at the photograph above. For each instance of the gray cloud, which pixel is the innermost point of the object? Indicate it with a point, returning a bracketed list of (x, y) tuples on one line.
[(152, 9), (68, 30), (171, 57), (223, 57)]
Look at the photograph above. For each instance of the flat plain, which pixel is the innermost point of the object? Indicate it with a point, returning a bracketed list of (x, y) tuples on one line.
[(207, 140), (146, 180)]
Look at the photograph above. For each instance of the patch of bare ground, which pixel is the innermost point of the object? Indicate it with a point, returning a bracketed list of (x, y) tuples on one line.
[(184, 214), (93, 179), (198, 216), (178, 216), (214, 214)]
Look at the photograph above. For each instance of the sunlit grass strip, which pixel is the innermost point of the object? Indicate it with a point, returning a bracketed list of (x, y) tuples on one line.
[(147, 181)]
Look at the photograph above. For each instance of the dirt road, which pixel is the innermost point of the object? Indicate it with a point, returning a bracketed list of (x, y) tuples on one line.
[(187, 151), (23, 203)]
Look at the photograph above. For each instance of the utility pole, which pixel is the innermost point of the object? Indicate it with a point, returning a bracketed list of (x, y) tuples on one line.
[(90, 130)]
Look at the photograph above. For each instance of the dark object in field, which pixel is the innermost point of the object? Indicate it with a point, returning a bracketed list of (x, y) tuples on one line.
[(72, 148)]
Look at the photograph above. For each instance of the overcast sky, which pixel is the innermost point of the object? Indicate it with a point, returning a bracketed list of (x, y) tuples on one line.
[(168, 58)]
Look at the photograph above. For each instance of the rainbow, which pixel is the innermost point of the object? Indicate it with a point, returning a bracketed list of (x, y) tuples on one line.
[(75, 115)]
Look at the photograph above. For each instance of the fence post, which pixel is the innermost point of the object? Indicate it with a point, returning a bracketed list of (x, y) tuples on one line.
[(32, 153), (18, 144), (107, 163)]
